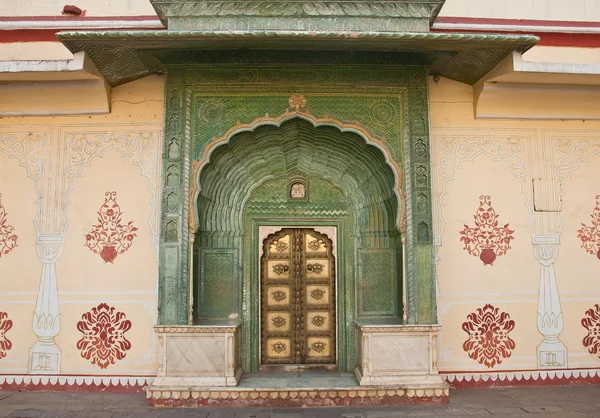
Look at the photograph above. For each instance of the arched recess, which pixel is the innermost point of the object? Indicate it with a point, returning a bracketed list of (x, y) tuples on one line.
[(363, 196)]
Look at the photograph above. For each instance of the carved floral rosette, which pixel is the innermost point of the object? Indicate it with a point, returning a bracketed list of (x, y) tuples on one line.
[(489, 341), (8, 238), (103, 341), (5, 325), (591, 322), (590, 235), (487, 239), (110, 237)]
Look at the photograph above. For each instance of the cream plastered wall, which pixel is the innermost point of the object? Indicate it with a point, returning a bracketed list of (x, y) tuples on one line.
[(74, 301), (575, 10), (515, 296), (91, 7)]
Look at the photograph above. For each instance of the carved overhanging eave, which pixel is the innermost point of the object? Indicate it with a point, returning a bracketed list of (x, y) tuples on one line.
[(124, 56), (314, 15)]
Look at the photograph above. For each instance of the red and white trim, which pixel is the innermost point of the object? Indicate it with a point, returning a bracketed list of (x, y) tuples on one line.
[(74, 22), (514, 25), (523, 378), (75, 383)]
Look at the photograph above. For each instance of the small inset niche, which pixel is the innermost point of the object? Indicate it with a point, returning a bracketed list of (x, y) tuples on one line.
[(172, 234), (297, 189), (423, 232)]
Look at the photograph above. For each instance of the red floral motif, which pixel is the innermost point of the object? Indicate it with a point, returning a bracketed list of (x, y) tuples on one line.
[(590, 235), (591, 322), (8, 239), (5, 325), (103, 339), (110, 237), (488, 330), (486, 240)]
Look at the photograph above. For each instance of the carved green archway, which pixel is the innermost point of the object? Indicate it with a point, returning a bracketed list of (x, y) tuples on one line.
[(349, 183), (235, 169), (208, 106)]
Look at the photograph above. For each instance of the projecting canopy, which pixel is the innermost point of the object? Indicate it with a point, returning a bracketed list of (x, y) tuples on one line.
[(343, 31)]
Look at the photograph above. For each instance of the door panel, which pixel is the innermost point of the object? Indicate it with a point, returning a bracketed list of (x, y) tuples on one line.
[(298, 298)]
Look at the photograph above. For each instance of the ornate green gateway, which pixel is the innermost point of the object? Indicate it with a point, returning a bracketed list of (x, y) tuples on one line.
[(262, 95), (250, 132)]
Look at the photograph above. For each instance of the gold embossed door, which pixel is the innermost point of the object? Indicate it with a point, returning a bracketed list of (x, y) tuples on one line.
[(298, 298)]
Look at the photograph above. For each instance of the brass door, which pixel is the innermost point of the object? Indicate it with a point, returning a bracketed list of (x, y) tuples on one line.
[(298, 298)]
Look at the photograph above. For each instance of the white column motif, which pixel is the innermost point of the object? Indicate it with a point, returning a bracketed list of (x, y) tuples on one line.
[(45, 355), (551, 353)]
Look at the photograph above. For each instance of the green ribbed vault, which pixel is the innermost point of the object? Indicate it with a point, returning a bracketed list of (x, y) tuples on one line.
[(245, 183), (345, 160)]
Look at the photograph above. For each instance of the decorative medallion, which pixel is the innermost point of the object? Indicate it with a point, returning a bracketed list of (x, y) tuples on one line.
[(279, 295), (489, 341), (318, 320), (8, 238), (590, 235), (318, 346), (212, 111), (315, 268), (315, 244), (486, 239), (279, 321), (382, 113), (317, 294), (298, 191), (278, 347), (297, 101), (591, 322), (104, 339), (280, 269), (280, 246), (110, 236), (5, 326)]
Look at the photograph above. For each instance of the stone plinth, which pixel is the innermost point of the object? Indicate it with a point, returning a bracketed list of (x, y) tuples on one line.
[(403, 355), (284, 389), (197, 356)]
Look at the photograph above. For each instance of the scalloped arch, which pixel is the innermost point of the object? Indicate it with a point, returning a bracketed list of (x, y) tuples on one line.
[(296, 142)]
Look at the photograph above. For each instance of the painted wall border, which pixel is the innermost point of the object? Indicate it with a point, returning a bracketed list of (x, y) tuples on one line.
[(75, 383), (522, 378)]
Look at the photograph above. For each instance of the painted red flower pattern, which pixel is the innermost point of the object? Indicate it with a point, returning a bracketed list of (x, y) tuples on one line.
[(486, 240), (489, 341), (590, 235), (8, 238), (104, 340), (591, 322), (5, 325), (110, 237)]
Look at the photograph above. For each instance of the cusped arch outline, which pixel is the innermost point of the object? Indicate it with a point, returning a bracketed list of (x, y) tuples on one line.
[(199, 165)]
